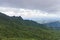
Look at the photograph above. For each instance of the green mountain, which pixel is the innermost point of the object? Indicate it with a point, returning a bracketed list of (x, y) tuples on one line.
[(15, 28), (54, 25)]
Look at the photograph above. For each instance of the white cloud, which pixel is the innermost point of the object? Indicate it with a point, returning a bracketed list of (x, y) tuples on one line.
[(29, 14)]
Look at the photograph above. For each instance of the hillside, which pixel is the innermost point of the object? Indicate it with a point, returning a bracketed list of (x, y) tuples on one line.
[(15, 28), (54, 25)]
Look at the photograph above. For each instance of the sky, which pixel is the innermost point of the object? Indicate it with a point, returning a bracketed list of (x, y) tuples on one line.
[(42, 11)]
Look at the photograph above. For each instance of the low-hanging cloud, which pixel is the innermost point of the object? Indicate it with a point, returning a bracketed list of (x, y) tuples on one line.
[(25, 12), (30, 14)]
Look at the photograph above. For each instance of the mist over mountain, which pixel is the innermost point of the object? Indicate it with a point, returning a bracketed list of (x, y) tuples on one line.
[(31, 14)]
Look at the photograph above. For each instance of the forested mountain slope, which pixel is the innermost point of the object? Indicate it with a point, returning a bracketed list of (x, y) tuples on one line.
[(15, 28)]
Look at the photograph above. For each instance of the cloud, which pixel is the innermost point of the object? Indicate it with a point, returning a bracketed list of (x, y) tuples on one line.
[(36, 15), (26, 12), (51, 6)]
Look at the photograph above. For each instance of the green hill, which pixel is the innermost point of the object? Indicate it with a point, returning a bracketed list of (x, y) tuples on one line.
[(15, 28)]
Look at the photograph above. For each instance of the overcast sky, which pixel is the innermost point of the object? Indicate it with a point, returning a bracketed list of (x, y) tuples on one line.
[(44, 5), (32, 9)]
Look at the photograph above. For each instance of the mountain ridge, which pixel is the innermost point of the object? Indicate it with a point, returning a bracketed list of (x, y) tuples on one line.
[(16, 27)]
